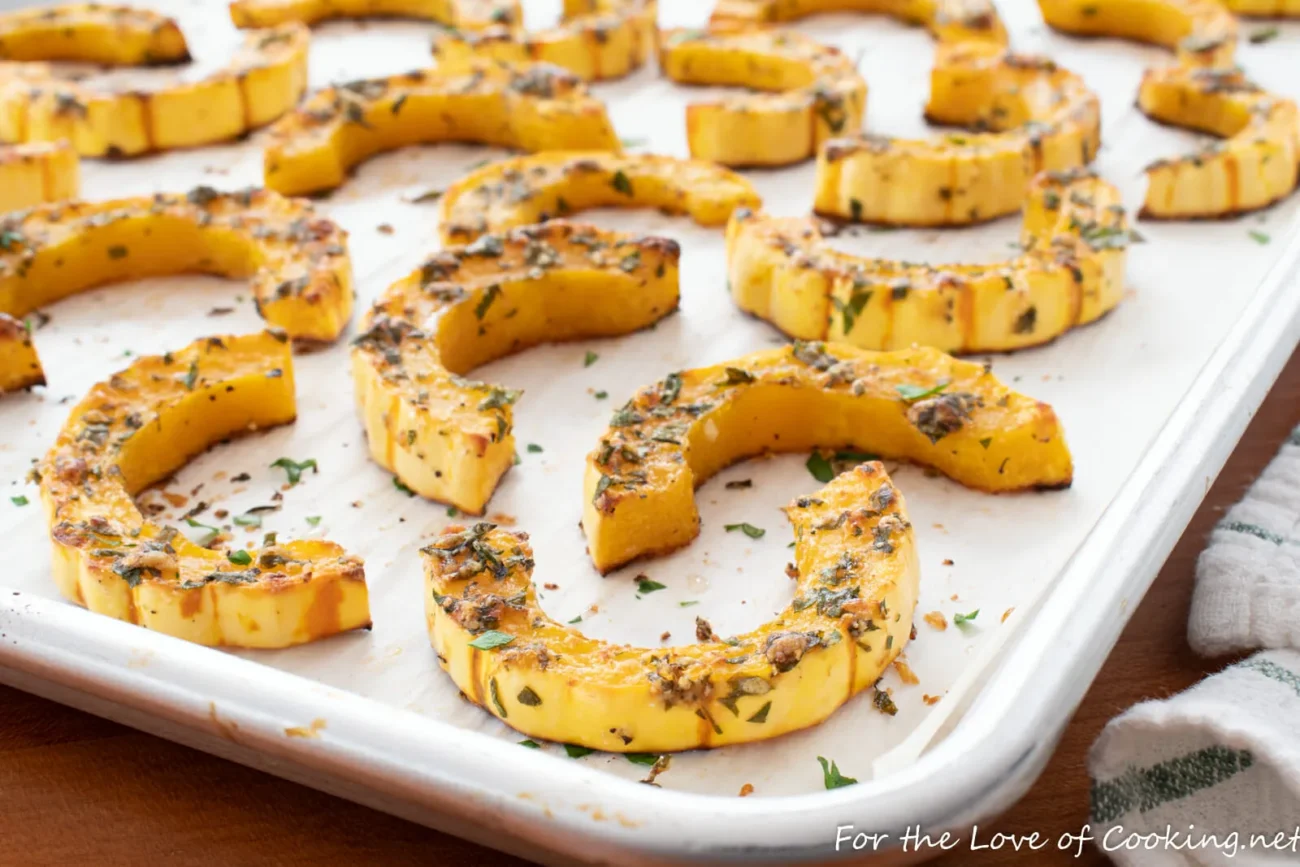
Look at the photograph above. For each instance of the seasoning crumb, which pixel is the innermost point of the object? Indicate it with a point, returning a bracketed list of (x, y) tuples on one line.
[(905, 672), (502, 519), (953, 597), (746, 790), (930, 699), (551, 586), (937, 620), (665, 636), (385, 229), (947, 561), (1006, 614)]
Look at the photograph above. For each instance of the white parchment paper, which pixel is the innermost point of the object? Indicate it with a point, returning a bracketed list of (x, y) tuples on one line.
[(1113, 385)]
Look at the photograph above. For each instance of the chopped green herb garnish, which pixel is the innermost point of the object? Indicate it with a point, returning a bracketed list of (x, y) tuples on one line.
[(589, 359), (19, 500), (117, 252), (820, 468), (760, 715), (313, 520), (577, 619), (601, 395), (209, 534), (641, 758), (576, 752), (491, 640), (401, 486), (293, 469), (1259, 237), (191, 376), (1268, 34), (453, 512), (913, 393), (645, 585), (832, 777), (959, 619), (687, 603), (748, 529), (534, 449), (530, 743), (239, 558), (248, 519), (621, 183)]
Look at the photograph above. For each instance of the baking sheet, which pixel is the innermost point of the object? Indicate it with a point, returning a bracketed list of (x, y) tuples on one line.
[(1113, 384)]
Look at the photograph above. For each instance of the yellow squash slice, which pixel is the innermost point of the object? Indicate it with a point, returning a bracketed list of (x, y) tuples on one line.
[(450, 438), (34, 173), (1256, 164), (810, 93), (109, 35), (1265, 8), (1202, 32), (856, 567), (467, 14), (20, 368), (595, 40), (532, 189), (1027, 115), (265, 79), (1071, 272), (917, 404), (532, 107), (948, 20), (302, 275), (139, 427)]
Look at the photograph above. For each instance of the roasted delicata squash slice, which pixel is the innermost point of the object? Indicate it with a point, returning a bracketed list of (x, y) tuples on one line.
[(917, 404), (265, 79), (20, 367), (468, 14), (533, 189), (34, 173), (1027, 115), (1071, 272), (299, 265), (532, 107), (596, 40), (948, 20), (810, 93), (139, 427), (450, 438), (856, 567), (1254, 165), (109, 35), (1202, 32), (1265, 8)]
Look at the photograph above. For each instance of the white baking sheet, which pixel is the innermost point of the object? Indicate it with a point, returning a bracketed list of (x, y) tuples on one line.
[(1113, 384)]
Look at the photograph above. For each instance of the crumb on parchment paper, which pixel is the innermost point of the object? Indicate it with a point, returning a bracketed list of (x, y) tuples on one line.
[(936, 620), (930, 699), (905, 672), (1006, 614), (746, 790)]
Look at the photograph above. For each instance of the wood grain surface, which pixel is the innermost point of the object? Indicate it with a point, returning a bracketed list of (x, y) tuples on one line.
[(77, 789)]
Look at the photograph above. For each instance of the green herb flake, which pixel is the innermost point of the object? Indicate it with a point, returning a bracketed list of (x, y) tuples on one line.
[(118, 252), (534, 449), (820, 467), (647, 759), (760, 715), (248, 519), (192, 376), (576, 752), (912, 393), (530, 743), (491, 640), (748, 529), (577, 619), (294, 469), (687, 603), (986, 442), (496, 697), (313, 520), (589, 359), (528, 698), (401, 486), (831, 776), (601, 395), (1267, 34), (959, 619), (621, 183), (645, 585), (239, 558), (453, 512), (19, 500), (1258, 237)]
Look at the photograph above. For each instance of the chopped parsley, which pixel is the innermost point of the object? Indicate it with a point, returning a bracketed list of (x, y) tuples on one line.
[(294, 469), (534, 449), (19, 500), (748, 529), (820, 467), (911, 393), (831, 776), (1258, 237), (239, 558), (491, 640), (645, 585), (959, 619), (401, 486), (576, 752), (589, 359)]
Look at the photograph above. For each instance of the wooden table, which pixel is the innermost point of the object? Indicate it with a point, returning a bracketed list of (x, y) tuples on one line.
[(76, 788)]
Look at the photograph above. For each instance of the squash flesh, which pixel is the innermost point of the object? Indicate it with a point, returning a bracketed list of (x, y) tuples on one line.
[(811, 92), (109, 35), (139, 427), (451, 439), (948, 20), (852, 614), (532, 189), (532, 107), (263, 80), (302, 274), (1075, 236), (669, 438), (596, 40), (1042, 117), (34, 173), (471, 14), (20, 367)]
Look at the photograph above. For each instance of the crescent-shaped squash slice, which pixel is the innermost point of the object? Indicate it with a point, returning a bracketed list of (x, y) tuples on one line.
[(450, 438), (918, 405), (139, 427), (1265, 8), (811, 93), (109, 35), (1202, 32), (948, 20), (298, 261), (533, 189), (1256, 164), (532, 107), (856, 567), (20, 367), (34, 173), (467, 14), (265, 79), (1070, 273), (596, 40), (1027, 115)]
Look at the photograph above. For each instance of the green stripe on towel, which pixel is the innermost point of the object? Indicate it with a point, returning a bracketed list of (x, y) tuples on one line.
[(1272, 671), (1252, 530), (1144, 789)]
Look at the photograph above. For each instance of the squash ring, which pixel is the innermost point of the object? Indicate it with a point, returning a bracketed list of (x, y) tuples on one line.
[(302, 274), (948, 20), (533, 189), (20, 366), (468, 14), (857, 576), (39, 172), (1257, 165), (532, 107), (918, 405), (1070, 273), (596, 40), (1041, 118), (109, 35), (264, 79), (140, 426), (449, 438), (812, 93)]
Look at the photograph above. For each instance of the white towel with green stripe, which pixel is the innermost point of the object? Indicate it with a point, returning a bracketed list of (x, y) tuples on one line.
[(1208, 778), (1248, 579)]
